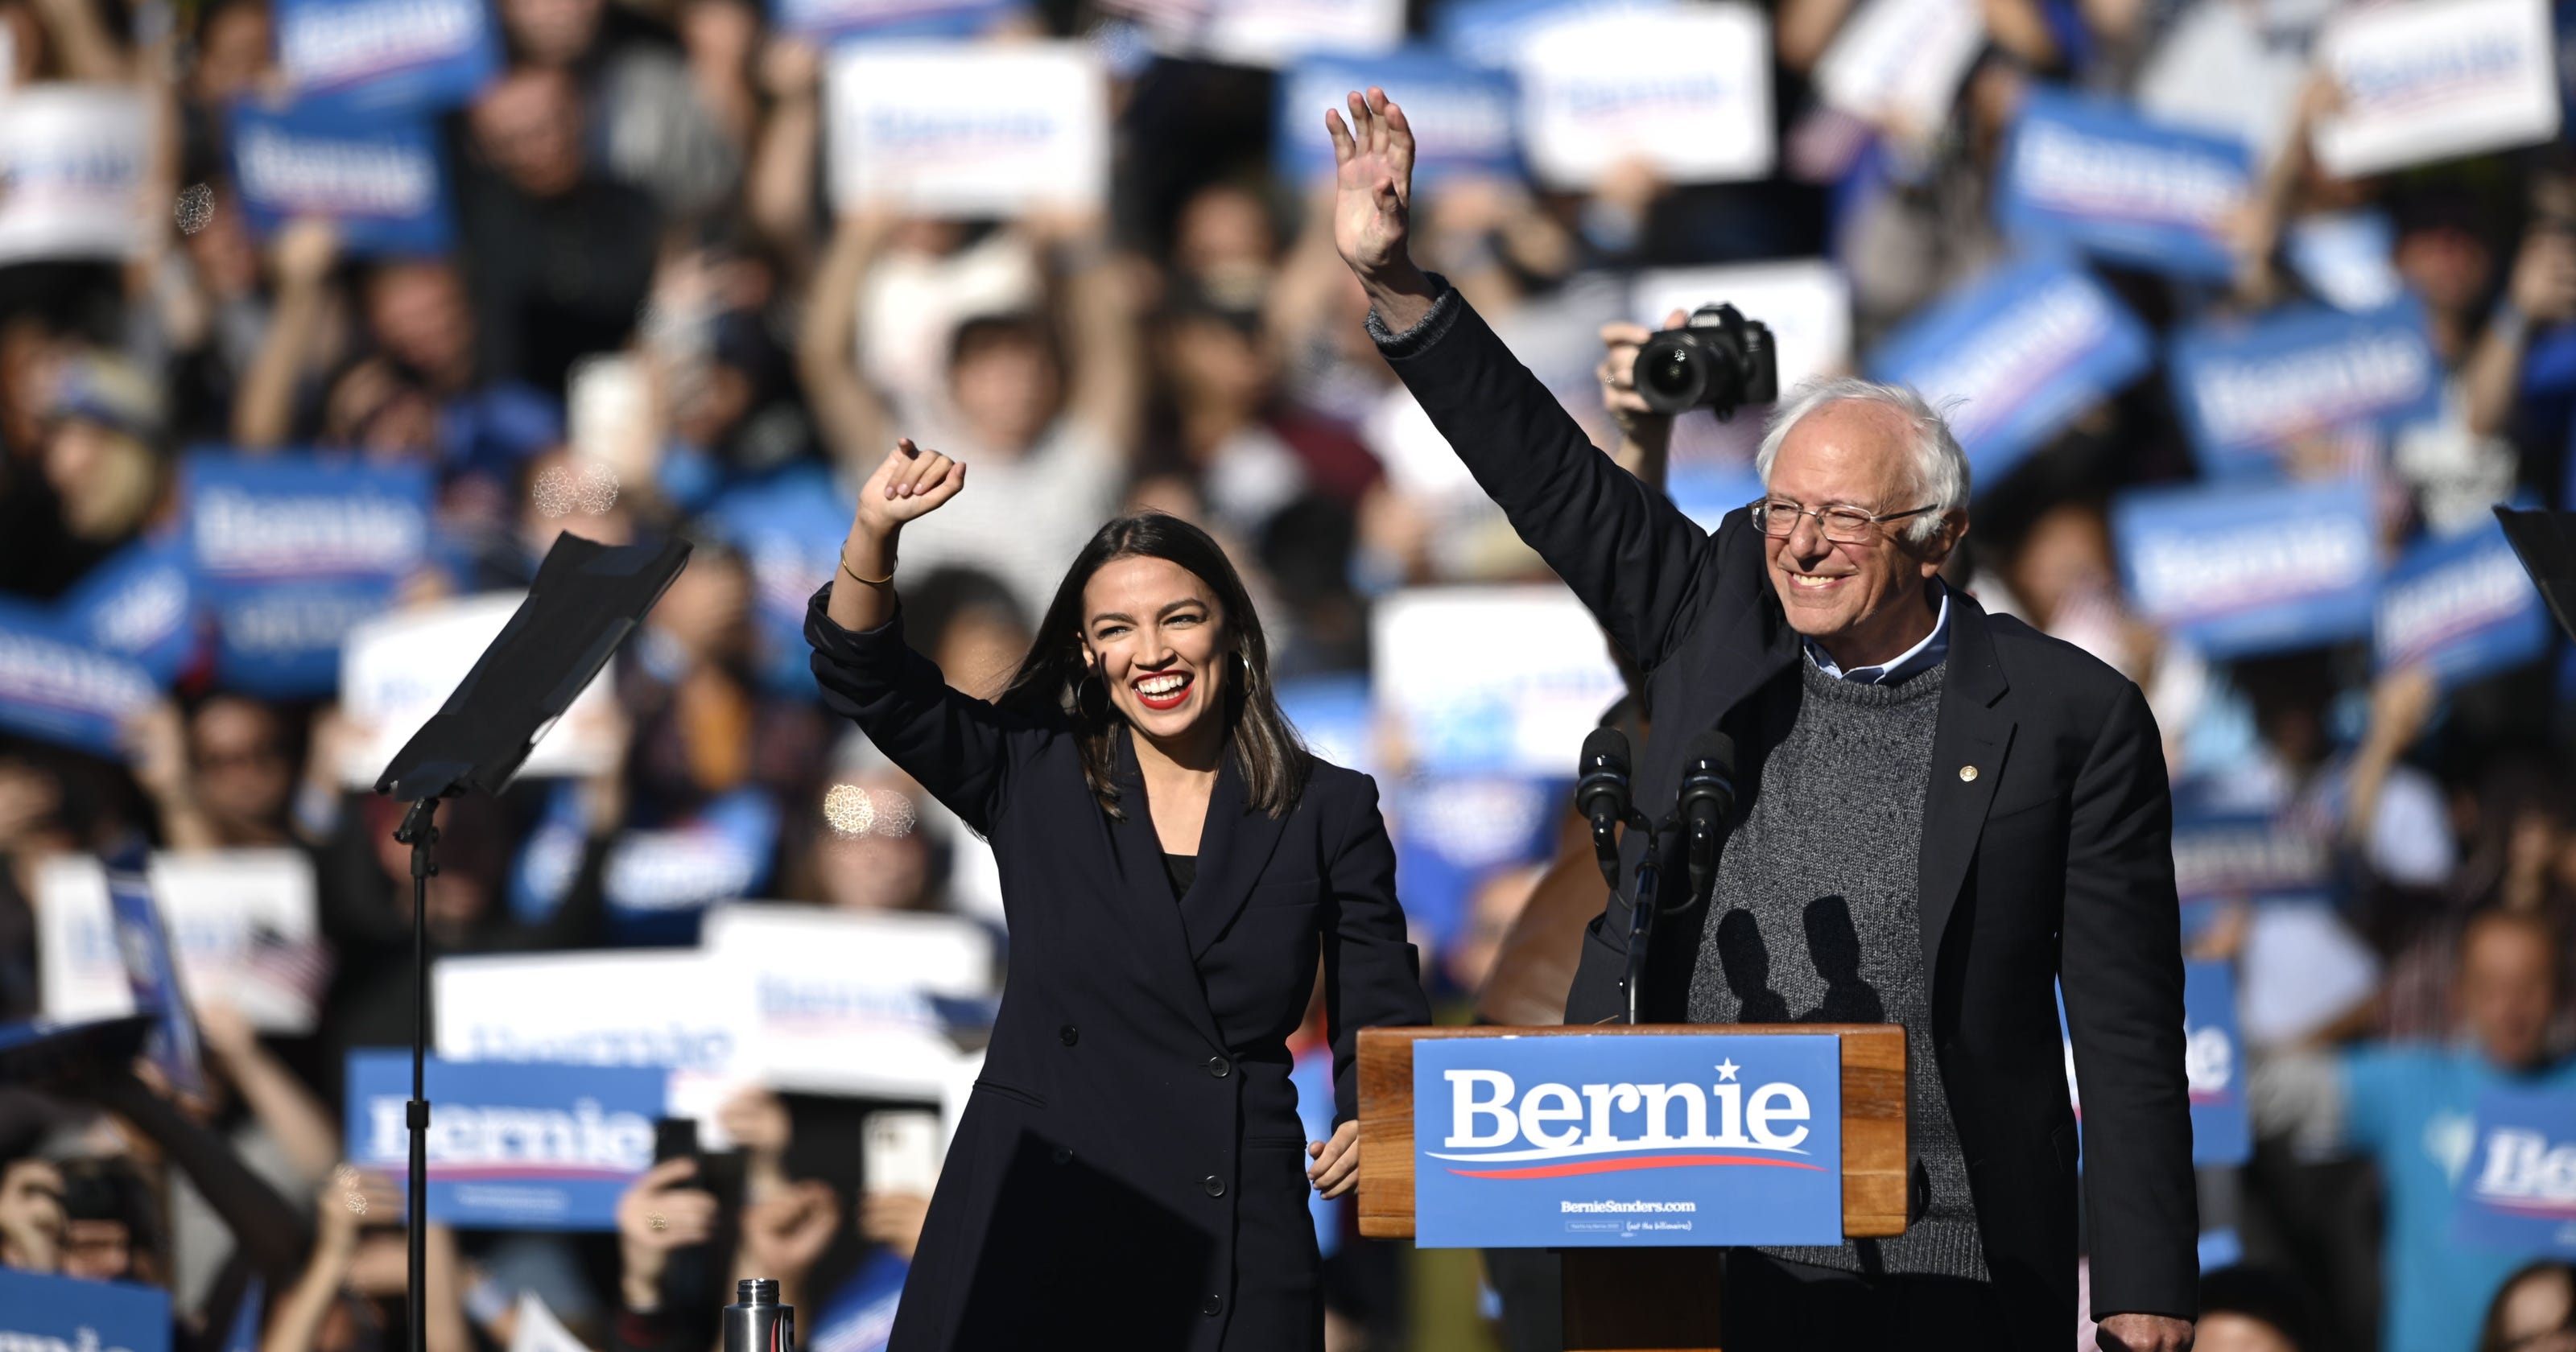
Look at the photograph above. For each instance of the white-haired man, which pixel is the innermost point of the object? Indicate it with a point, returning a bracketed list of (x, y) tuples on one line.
[(1945, 812)]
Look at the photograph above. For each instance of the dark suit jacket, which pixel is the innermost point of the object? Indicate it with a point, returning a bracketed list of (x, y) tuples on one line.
[(2051, 862), (1130, 1170)]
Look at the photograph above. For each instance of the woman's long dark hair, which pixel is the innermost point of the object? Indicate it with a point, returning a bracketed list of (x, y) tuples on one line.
[(1051, 680)]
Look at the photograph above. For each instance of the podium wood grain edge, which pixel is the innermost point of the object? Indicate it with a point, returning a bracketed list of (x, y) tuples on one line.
[(1873, 1056)]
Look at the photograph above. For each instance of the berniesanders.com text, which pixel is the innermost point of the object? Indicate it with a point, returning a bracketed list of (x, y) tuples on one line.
[(1625, 1208)]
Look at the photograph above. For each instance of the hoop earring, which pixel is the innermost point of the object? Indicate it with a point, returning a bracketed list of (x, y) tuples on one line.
[(1089, 677)]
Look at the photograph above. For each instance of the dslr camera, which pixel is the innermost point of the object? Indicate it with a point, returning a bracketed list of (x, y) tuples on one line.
[(1718, 360)]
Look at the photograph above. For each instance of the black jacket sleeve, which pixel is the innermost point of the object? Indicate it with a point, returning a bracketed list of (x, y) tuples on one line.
[(1625, 549), (2120, 968), (954, 745)]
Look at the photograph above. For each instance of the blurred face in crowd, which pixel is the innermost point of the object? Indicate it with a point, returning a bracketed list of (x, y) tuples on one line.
[(551, 32), (1217, 368), (980, 649), (243, 775), (1006, 386), (2446, 264), (2066, 555), (2535, 1313), (232, 53), (222, 252), (107, 480), (707, 610), (97, 1249), (528, 125), (31, 1214), (1864, 601), (417, 311), (375, 408), (1154, 638), (1224, 241), (2228, 1331), (874, 855), (2508, 987)]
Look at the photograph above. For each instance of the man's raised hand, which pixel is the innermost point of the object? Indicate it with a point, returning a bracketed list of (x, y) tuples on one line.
[(1373, 193)]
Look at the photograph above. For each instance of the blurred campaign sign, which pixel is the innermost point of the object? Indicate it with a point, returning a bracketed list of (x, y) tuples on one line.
[(2301, 970), (2240, 571), (2519, 1190), (1480, 680), (1462, 116), (859, 1317), (1707, 492), (2247, 390), (397, 669), (2213, 1064), (43, 1313), (511, 1147), (2098, 176), (376, 178), (2016, 355), (1686, 89), (242, 925), (2244, 855), (788, 528), (1453, 832), (417, 55), (1806, 301), (1268, 32), (2424, 80), (632, 1008), (968, 129), (140, 605), (1496, 32), (151, 975), (538, 1330), (836, 20), (1335, 718), (843, 1002), (1897, 64), (1715, 1139), (2461, 607), (293, 551), (57, 688), (72, 158), (2346, 258)]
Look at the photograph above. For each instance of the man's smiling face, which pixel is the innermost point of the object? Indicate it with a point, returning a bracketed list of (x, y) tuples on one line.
[(1851, 597)]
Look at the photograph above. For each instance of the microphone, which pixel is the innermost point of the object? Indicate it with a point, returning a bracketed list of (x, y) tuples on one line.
[(1708, 794), (1601, 795)]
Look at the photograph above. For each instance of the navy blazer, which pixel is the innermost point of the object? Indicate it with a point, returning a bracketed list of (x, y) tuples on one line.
[(2046, 855), (1130, 1168)]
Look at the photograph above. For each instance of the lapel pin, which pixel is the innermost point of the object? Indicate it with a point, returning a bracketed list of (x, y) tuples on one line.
[(1967, 774)]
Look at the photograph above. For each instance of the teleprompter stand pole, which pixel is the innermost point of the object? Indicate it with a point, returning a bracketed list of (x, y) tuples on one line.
[(419, 832)]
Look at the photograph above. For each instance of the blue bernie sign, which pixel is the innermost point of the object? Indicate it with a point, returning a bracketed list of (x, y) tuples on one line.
[(2247, 390), (513, 1145), (2124, 189), (44, 1313), (388, 55), (2239, 571), (291, 551), (1549, 1142), (378, 178), (2519, 1190), (2462, 607)]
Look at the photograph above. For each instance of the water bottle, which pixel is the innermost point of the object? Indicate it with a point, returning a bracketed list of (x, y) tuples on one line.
[(756, 1322)]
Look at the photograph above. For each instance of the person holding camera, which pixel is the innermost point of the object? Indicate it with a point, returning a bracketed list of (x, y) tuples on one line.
[(1948, 812)]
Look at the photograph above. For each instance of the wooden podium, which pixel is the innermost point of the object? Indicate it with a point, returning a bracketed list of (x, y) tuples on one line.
[(1601, 1312)]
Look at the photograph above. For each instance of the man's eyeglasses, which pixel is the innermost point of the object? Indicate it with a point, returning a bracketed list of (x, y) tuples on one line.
[(1842, 525)]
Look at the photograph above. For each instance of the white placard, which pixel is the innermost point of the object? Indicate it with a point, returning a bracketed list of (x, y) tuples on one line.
[(968, 129), (1687, 89), (242, 926), (840, 1001), (72, 161), (1897, 64), (2425, 80), (396, 670), (1276, 32), (1491, 679), (639, 1008), (1806, 302)]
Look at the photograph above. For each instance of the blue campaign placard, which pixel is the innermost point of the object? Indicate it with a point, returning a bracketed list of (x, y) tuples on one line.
[(141, 605), (42, 1313), (143, 942), (388, 55), (58, 689), (292, 551), (2239, 571), (860, 1316), (2214, 1065), (840, 20), (2244, 855), (513, 1145), (1490, 32), (377, 176), (1467, 116), (1548, 1142), (2248, 389), (2461, 607), (1453, 832), (788, 528), (2014, 355), (2098, 176), (2519, 1190)]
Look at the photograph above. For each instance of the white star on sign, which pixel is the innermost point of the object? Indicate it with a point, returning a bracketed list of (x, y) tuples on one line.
[(1726, 1069)]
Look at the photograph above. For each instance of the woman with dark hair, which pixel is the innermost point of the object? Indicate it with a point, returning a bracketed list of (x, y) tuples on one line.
[(1174, 864), (2534, 1311)]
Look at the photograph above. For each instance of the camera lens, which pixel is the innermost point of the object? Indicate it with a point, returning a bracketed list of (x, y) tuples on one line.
[(1671, 376)]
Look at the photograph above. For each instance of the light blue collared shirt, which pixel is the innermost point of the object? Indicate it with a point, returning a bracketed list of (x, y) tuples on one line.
[(1921, 657)]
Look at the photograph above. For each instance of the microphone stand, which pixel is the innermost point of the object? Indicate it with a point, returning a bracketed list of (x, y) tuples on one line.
[(417, 831), (1642, 904)]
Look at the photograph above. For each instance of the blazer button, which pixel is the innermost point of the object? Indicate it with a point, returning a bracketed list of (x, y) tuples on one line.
[(1064, 1154), (1967, 774), (1219, 1067), (1068, 1035), (1213, 1305), (1215, 1186)]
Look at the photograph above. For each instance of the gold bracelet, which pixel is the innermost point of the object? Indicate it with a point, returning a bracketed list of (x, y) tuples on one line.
[(871, 581)]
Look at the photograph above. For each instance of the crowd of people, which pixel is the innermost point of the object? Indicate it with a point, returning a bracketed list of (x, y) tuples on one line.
[(640, 224)]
